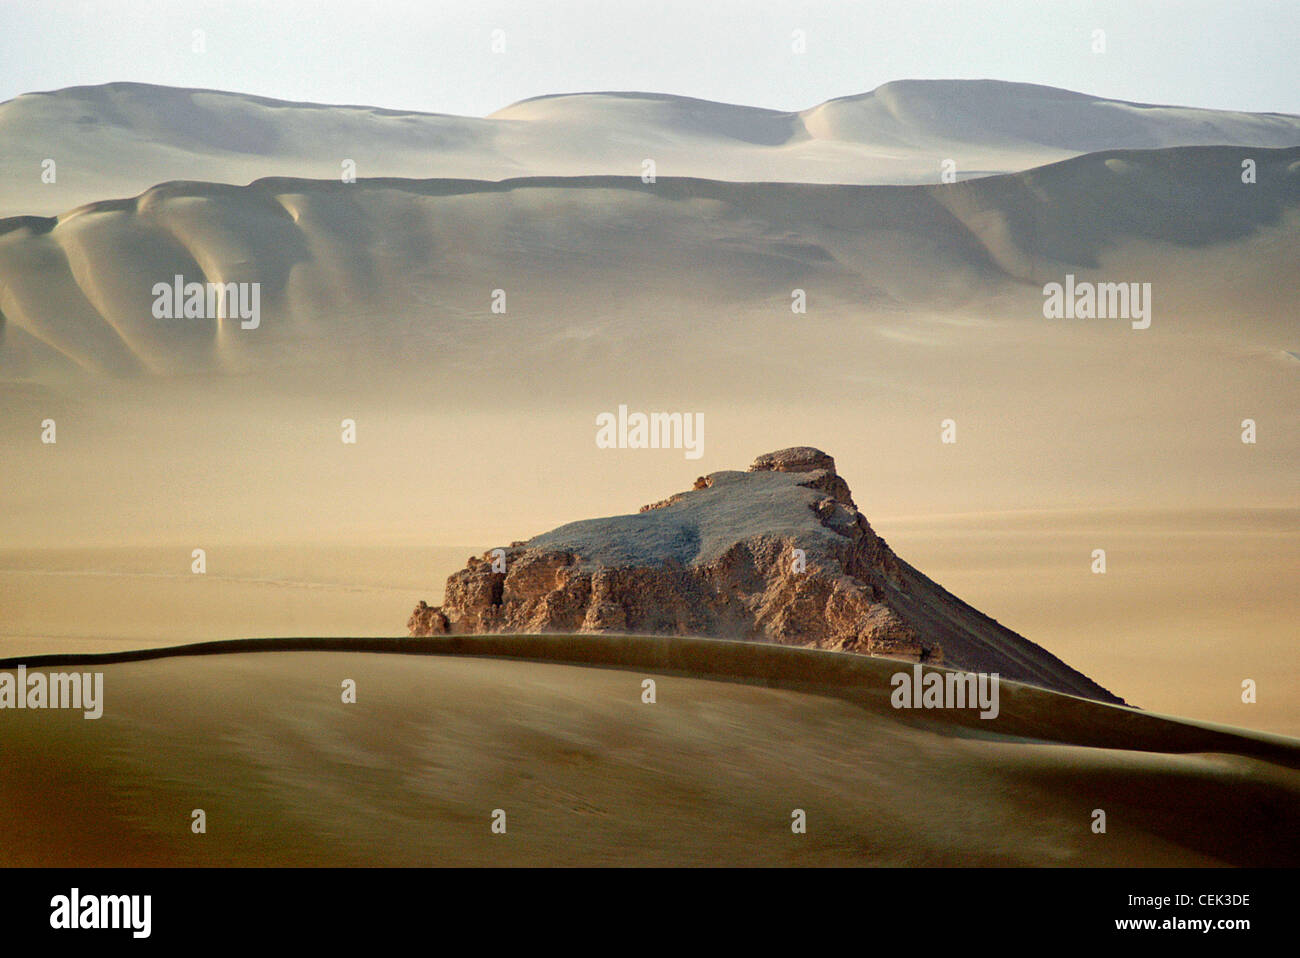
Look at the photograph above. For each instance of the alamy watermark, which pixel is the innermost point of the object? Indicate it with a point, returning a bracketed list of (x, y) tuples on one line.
[(1085, 300), (945, 690), (181, 300), (656, 430), (55, 690), (75, 910)]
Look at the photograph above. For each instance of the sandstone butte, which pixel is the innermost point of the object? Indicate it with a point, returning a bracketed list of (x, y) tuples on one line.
[(723, 560)]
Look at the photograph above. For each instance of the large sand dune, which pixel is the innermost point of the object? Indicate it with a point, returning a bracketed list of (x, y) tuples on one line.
[(119, 139), (739, 737), (405, 269)]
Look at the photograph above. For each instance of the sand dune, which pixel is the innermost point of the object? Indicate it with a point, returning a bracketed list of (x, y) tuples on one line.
[(586, 772), (396, 268), (119, 139)]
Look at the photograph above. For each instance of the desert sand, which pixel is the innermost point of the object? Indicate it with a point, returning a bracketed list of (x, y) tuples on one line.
[(119, 139), (588, 774)]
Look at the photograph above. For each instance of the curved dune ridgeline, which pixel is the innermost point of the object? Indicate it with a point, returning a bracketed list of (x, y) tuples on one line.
[(553, 730), (1026, 710), (117, 139)]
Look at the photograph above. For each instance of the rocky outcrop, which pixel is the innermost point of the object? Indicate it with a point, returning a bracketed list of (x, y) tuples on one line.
[(779, 554)]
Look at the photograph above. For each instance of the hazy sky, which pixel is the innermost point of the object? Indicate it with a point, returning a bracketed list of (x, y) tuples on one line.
[(436, 55)]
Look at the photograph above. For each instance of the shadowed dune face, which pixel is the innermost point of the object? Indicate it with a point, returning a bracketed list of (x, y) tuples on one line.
[(710, 774)]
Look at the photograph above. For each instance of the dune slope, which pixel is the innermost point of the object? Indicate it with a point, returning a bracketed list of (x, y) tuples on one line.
[(586, 773), (403, 268)]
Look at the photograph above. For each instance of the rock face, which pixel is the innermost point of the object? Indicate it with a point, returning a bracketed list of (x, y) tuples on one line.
[(779, 554)]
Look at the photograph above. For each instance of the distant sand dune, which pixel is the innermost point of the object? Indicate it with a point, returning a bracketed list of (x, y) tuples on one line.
[(78, 290), (118, 139)]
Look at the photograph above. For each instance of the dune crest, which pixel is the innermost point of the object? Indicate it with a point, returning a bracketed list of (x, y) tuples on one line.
[(552, 728), (117, 139)]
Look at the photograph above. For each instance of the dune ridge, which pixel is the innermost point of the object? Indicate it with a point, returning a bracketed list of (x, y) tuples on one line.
[(1026, 710), (76, 291), (120, 138), (589, 774)]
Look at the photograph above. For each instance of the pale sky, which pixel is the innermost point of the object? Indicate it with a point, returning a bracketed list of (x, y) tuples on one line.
[(435, 55)]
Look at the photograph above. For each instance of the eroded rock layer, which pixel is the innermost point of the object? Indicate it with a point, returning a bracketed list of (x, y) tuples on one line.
[(779, 553)]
